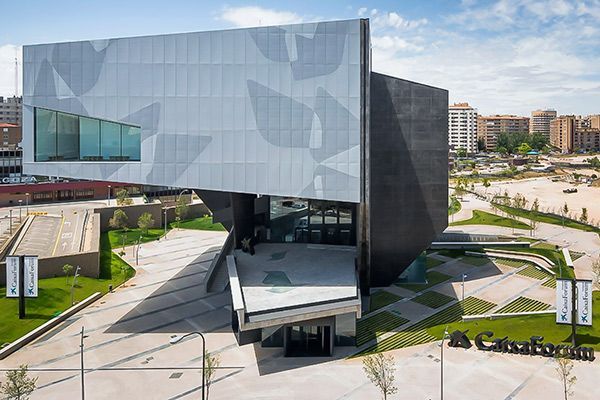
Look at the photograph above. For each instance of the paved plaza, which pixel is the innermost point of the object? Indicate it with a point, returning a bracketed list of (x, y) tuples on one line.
[(128, 353)]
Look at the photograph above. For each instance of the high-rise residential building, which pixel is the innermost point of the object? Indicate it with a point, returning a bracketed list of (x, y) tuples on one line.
[(571, 133), (288, 137), (490, 127), (462, 127), (11, 110), (540, 121)]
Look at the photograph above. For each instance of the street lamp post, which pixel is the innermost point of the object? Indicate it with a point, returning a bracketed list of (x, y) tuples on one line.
[(10, 220), (109, 195), (20, 207), (82, 369), (165, 212), (27, 202), (442, 364), (177, 339), (75, 276), (463, 285)]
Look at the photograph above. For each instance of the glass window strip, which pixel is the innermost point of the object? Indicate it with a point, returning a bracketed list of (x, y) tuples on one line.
[(43, 152)]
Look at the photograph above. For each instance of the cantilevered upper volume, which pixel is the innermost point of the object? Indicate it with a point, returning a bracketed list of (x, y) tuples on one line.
[(285, 133)]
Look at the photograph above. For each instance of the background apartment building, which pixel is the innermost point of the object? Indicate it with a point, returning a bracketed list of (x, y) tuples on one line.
[(462, 127), (490, 127), (540, 121), (11, 110), (571, 133)]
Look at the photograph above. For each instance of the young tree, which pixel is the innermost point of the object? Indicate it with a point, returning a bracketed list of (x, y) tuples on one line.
[(584, 215), (535, 209), (486, 183), (67, 269), (564, 213), (145, 222), (213, 361), (18, 385), (380, 370), (123, 198), (596, 272), (564, 369), (181, 209)]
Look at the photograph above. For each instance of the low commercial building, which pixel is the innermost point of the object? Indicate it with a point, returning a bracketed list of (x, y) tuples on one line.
[(490, 127), (332, 175), (462, 127)]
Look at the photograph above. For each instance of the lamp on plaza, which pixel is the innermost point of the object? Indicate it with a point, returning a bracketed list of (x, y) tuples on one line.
[(20, 207), (81, 364), (442, 363), (27, 202), (463, 285), (176, 339), (109, 195)]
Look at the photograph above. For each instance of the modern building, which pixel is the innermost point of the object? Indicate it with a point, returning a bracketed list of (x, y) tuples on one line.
[(332, 175), (490, 127), (571, 133), (540, 121), (11, 109), (462, 127)]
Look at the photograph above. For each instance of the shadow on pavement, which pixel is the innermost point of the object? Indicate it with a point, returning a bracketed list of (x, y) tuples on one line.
[(180, 305)]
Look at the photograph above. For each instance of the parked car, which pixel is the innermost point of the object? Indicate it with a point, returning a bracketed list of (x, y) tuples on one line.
[(570, 190)]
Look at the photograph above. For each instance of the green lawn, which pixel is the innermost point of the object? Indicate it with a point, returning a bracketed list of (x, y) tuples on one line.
[(55, 294), (548, 218), (554, 255), (431, 262), (485, 218), (475, 261), (522, 328), (433, 299), (433, 278), (202, 223), (132, 235), (381, 299)]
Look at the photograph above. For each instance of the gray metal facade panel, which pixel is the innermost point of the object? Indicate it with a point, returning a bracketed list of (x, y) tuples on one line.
[(408, 188), (270, 110)]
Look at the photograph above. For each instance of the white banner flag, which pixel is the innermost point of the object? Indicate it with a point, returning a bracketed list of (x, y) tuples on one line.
[(564, 301), (12, 276), (584, 302), (31, 276)]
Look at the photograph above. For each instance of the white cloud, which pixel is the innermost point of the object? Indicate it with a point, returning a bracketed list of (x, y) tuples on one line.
[(258, 16), (7, 69), (392, 44), (390, 20), (362, 11)]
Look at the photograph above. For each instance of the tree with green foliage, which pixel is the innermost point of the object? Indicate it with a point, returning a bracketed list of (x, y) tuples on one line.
[(524, 148), (119, 220), (67, 269), (123, 198), (18, 385), (594, 162), (145, 222), (584, 215), (461, 152), (181, 209), (380, 369), (480, 144), (564, 369)]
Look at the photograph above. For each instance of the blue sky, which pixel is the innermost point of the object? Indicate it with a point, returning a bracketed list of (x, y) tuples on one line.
[(502, 56)]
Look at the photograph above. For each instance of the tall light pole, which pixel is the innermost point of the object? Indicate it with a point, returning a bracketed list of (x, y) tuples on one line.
[(10, 220), (165, 212), (20, 208), (109, 195), (463, 286), (82, 369), (177, 205), (75, 276), (177, 339), (442, 364), (27, 202)]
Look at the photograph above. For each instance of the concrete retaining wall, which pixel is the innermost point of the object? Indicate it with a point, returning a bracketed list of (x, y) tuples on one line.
[(156, 209), (51, 267)]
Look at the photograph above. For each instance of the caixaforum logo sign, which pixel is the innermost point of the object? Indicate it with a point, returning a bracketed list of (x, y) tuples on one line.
[(535, 346)]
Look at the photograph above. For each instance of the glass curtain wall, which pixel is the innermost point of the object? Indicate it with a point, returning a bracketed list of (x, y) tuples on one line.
[(67, 137), (312, 221)]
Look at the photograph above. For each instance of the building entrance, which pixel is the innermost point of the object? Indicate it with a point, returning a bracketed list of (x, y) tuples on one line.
[(308, 341)]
